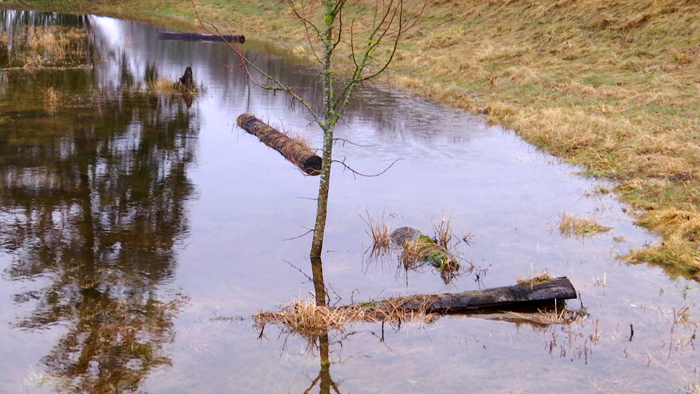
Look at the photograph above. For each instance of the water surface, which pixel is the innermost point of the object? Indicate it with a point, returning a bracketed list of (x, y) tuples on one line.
[(131, 221)]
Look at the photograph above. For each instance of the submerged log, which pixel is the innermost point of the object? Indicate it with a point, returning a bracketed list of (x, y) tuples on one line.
[(501, 298), (169, 35), (299, 154)]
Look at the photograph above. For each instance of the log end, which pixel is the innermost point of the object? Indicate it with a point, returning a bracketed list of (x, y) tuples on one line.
[(312, 165)]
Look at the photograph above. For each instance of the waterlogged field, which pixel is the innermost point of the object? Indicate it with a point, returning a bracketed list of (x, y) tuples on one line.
[(141, 230)]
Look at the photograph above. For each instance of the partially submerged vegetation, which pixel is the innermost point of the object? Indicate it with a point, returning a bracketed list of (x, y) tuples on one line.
[(610, 86), (415, 250), (305, 317), (577, 226)]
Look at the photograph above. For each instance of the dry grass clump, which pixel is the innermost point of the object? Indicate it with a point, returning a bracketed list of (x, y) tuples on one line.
[(381, 235), (443, 233), (52, 100), (535, 280), (305, 317), (570, 226), (163, 86)]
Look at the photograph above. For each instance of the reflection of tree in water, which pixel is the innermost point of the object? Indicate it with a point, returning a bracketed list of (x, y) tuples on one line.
[(94, 200), (324, 380)]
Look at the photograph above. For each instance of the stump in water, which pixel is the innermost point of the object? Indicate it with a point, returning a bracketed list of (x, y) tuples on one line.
[(186, 86), (294, 151), (186, 80)]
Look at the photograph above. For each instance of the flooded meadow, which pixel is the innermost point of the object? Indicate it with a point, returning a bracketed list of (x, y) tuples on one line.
[(141, 231)]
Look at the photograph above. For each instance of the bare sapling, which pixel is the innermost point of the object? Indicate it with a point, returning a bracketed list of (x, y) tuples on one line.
[(369, 34)]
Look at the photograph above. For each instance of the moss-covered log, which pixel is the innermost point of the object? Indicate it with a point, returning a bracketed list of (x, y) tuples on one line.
[(168, 35), (296, 152), (501, 298)]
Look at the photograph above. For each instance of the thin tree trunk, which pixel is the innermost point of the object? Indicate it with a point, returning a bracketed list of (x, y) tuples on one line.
[(329, 119)]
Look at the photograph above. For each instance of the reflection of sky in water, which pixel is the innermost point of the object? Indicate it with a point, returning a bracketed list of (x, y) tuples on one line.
[(250, 203)]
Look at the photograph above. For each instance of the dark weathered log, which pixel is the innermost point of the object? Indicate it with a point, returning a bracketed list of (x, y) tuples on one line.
[(169, 35), (499, 298), (297, 153)]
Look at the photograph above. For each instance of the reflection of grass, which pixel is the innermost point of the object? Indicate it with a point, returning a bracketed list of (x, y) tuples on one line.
[(52, 100), (47, 46), (570, 225)]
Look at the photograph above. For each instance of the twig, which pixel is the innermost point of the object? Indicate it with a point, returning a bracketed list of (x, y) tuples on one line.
[(354, 172), (299, 269), (297, 237)]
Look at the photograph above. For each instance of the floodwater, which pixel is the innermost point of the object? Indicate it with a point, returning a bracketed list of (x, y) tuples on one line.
[(138, 234)]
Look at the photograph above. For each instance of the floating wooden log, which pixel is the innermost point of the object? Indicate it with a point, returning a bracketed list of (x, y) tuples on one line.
[(297, 153), (501, 298), (169, 35)]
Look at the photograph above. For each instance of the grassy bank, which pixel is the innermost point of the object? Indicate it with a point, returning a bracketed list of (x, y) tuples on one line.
[(611, 85)]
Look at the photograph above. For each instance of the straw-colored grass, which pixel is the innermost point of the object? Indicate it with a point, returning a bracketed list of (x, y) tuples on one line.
[(305, 317), (163, 86), (52, 100), (443, 233), (573, 226), (535, 280), (380, 233)]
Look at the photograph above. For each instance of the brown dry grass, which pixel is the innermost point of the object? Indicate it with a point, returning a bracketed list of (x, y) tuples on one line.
[(305, 317), (573, 226), (163, 85), (443, 233), (535, 280), (610, 85), (379, 231)]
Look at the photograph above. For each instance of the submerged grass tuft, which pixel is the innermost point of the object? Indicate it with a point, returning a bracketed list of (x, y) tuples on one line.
[(572, 226)]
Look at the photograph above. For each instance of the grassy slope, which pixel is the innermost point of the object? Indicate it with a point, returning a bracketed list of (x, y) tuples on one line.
[(612, 85)]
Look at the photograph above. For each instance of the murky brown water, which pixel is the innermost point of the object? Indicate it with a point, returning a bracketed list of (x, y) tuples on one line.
[(129, 223)]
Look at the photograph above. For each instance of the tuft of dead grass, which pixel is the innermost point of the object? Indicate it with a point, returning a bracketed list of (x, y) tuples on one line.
[(443, 233), (572, 226), (305, 317), (378, 230), (535, 280), (163, 86)]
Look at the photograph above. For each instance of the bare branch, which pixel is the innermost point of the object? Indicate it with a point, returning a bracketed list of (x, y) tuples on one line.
[(299, 236), (300, 270), (354, 172), (307, 23), (352, 143)]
